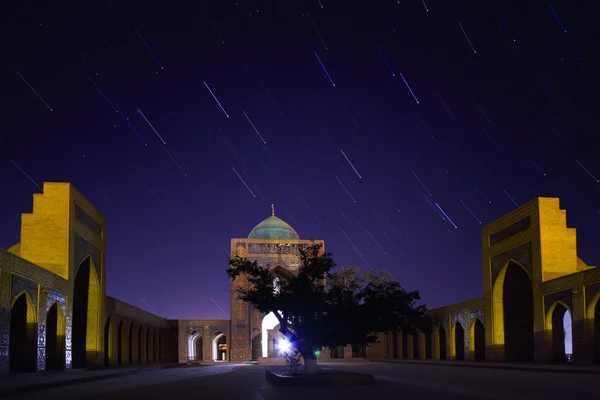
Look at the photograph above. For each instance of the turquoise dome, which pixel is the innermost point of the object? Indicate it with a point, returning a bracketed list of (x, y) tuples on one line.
[(273, 228)]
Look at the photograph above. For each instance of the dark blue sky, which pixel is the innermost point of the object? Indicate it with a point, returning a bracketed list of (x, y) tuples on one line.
[(166, 232)]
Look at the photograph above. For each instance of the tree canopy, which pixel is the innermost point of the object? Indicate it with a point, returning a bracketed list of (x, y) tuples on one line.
[(321, 306)]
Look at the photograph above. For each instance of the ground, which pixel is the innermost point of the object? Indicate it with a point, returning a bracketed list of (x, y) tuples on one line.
[(411, 381)]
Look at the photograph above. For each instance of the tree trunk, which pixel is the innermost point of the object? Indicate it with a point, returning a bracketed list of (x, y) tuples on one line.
[(310, 362)]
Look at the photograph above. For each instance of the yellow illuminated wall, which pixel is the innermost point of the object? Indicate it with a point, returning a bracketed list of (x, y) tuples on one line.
[(45, 232)]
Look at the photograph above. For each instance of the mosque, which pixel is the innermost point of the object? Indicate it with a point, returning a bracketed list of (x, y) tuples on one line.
[(55, 315)]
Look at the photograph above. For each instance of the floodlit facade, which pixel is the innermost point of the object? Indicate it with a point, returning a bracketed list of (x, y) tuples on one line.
[(536, 293), (54, 312)]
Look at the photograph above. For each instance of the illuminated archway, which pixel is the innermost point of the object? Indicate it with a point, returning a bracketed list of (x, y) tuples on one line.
[(416, 347), (270, 321), (86, 313), (148, 345), (512, 302), (219, 347), (593, 313), (55, 338), (428, 344), (442, 342), (140, 345), (459, 341), (155, 346), (22, 339), (121, 344), (477, 342), (131, 343), (558, 328), (108, 342), (195, 347)]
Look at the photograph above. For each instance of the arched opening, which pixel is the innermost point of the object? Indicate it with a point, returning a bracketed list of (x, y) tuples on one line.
[(442, 342), (86, 312), (416, 346), (459, 341), (108, 342), (140, 345), (597, 331), (155, 346), (478, 340), (121, 344), (428, 352), (394, 335), (55, 338), (513, 316), (22, 339), (131, 342), (558, 324), (160, 346), (257, 346), (405, 354), (219, 347), (269, 322), (149, 345), (195, 347)]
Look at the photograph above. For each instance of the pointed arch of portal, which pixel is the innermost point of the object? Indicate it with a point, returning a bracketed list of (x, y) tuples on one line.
[(22, 334), (555, 330), (56, 329), (442, 345), (477, 340), (593, 318), (108, 342), (518, 346), (458, 341), (87, 311)]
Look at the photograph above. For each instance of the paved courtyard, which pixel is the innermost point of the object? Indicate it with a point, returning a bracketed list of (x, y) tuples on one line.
[(411, 381)]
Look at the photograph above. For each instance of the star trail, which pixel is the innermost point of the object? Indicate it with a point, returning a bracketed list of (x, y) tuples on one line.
[(183, 123)]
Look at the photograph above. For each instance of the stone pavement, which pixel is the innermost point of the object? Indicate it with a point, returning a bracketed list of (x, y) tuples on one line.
[(409, 380), (24, 383), (562, 368)]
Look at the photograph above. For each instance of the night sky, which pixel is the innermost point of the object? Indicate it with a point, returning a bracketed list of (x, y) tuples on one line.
[(372, 113)]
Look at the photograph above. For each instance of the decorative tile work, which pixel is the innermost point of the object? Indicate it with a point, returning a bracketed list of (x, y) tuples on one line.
[(510, 230), (87, 220), (564, 295), (521, 254), (591, 291), (275, 248), (55, 296), (4, 326), (83, 248), (41, 359), (19, 284), (480, 313)]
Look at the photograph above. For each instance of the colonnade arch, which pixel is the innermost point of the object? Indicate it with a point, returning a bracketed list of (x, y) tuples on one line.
[(512, 301), (593, 316), (87, 304), (108, 342), (219, 347), (558, 329), (195, 346), (22, 335), (121, 344), (477, 342), (55, 338), (416, 345), (442, 342), (459, 341)]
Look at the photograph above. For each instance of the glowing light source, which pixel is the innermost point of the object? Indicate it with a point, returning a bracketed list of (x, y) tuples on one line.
[(284, 345)]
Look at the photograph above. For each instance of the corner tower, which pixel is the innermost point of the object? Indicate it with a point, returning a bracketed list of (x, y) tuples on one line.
[(274, 244)]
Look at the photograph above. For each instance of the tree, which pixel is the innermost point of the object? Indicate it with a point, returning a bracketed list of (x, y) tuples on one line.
[(321, 307)]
